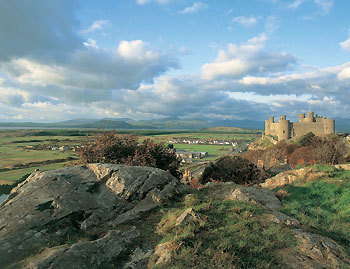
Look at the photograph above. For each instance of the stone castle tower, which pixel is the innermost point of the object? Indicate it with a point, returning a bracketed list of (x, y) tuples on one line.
[(285, 129)]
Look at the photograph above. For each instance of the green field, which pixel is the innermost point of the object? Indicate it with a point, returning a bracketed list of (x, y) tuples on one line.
[(9, 176), (17, 158), (211, 135)]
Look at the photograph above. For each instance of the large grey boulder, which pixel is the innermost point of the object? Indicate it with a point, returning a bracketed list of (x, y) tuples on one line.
[(258, 196), (315, 251), (75, 214)]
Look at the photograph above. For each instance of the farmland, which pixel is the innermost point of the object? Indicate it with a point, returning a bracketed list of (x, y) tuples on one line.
[(23, 151)]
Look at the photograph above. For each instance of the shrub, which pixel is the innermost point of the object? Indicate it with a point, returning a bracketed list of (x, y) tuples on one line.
[(233, 169), (307, 150), (306, 140), (109, 147), (302, 156)]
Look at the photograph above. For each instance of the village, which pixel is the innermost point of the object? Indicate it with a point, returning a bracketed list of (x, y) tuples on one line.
[(202, 142), (61, 148)]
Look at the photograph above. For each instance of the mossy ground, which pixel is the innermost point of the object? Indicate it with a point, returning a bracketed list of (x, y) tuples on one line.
[(235, 234), (322, 205), (228, 234)]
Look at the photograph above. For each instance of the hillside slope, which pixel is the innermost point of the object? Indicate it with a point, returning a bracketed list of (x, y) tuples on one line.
[(114, 216)]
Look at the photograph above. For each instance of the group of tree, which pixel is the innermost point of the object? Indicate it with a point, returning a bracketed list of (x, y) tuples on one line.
[(109, 147)]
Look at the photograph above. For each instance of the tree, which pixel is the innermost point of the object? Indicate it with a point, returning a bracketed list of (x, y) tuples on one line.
[(233, 169), (155, 155), (109, 147)]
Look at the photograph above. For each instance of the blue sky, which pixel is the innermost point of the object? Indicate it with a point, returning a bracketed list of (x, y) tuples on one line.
[(148, 59)]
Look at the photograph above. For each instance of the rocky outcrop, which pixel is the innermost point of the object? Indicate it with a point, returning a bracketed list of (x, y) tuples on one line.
[(258, 196), (94, 217), (189, 215), (163, 252), (315, 251), (71, 218), (291, 176)]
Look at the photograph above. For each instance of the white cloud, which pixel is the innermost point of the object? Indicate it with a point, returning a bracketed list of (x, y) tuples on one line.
[(345, 44), (137, 50), (246, 21), (344, 73), (197, 6), (249, 58), (295, 4), (96, 68), (271, 24), (325, 5), (13, 97), (50, 75), (96, 26), (183, 50), (91, 43)]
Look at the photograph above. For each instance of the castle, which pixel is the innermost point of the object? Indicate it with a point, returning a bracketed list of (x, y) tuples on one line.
[(284, 129)]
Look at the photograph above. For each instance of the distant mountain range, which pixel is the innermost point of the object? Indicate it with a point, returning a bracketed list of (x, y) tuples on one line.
[(342, 125)]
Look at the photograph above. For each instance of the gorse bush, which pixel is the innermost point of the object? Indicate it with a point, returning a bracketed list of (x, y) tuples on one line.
[(233, 169), (109, 147)]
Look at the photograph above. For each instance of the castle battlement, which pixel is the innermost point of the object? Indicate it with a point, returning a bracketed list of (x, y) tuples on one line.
[(284, 129)]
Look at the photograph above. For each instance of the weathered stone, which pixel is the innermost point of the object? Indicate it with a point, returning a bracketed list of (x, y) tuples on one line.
[(220, 190), (292, 176), (189, 215), (163, 252), (258, 196), (314, 252), (89, 254), (52, 208), (278, 217), (138, 259)]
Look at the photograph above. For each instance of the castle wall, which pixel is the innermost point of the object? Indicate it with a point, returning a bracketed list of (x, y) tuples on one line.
[(303, 128), (273, 129), (285, 129), (329, 126)]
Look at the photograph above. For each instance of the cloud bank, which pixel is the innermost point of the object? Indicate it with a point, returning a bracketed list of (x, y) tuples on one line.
[(50, 69)]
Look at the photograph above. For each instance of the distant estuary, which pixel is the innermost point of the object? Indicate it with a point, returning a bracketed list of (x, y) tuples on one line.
[(3, 197)]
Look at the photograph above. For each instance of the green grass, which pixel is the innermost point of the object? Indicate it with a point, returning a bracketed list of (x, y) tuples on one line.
[(228, 233), (14, 153), (10, 155), (323, 205), (9, 177), (211, 135), (13, 143)]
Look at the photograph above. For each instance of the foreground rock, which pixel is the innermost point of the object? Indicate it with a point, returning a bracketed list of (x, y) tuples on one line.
[(315, 251), (70, 218), (258, 196), (291, 176)]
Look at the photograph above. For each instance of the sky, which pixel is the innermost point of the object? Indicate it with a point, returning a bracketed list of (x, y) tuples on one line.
[(149, 59)]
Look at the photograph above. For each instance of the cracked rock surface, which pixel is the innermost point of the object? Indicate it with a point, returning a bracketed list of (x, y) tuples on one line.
[(69, 218)]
